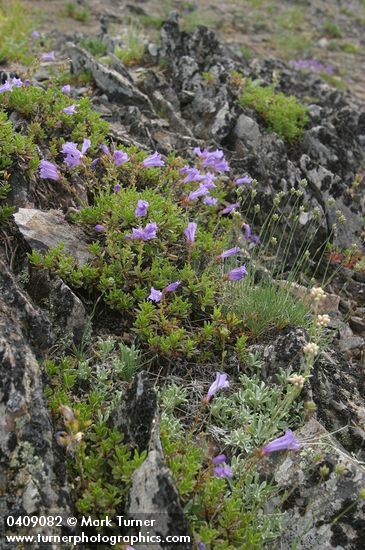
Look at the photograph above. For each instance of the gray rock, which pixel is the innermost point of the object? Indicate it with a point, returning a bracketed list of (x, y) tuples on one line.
[(66, 311), (322, 510), (137, 412), (247, 130), (117, 86), (32, 474), (44, 230)]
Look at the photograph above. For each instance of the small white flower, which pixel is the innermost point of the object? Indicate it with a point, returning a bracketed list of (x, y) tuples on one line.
[(323, 320), (317, 293), (311, 349), (297, 380)]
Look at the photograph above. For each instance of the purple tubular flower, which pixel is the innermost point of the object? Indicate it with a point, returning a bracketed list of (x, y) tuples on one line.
[(141, 209), (230, 252), (172, 287), (219, 383), (222, 471), (153, 160), (48, 171), (99, 228), (66, 89), (193, 174), (71, 110), (197, 151), (129, 548), (94, 163), (237, 274), (243, 181), (200, 192), (120, 157), (248, 235), (73, 154), (214, 160), (146, 234), (117, 188), (86, 144), (286, 442), (18, 83), (35, 34), (208, 180), (220, 459), (105, 149), (50, 56), (6, 87), (210, 201), (190, 232), (27, 82), (155, 295), (149, 231), (230, 208), (201, 546)]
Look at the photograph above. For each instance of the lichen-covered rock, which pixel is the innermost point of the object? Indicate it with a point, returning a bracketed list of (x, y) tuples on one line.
[(32, 474), (322, 489), (153, 495), (116, 85), (337, 387)]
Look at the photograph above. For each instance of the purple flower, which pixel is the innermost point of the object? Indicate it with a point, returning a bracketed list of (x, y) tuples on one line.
[(149, 231), (219, 383), (190, 232), (141, 209), (146, 234), (71, 110), (248, 235), (200, 192), (66, 89), (105, 149), (230, 252), (35, 34), (213, 159), (50, 56), (48, 171), (99, 228), (197, 151), (18, 83), (129, 548), (153, 160), (27, 82), (73, 154), (230, 208), (208, 180), (117, 187), (210, 201), (220, 459), (172, 287), (243, 181), (155, 295), (193, 174), (237, 274), (286, 442), (6, 87), (120, 157), (94, 163), (222, 471)]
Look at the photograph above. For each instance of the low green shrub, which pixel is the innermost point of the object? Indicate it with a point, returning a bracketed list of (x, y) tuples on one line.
[(283, 114)]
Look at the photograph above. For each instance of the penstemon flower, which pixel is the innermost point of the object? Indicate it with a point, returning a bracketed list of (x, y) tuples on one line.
[(219, 383), (141, 209), (284, 443), (190, 232), (49, 171), (153, 160), (155, 295), (71, 110), (236, 274)]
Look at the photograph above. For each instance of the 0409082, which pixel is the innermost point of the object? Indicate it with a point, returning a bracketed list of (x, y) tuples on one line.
[(33, 521)]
